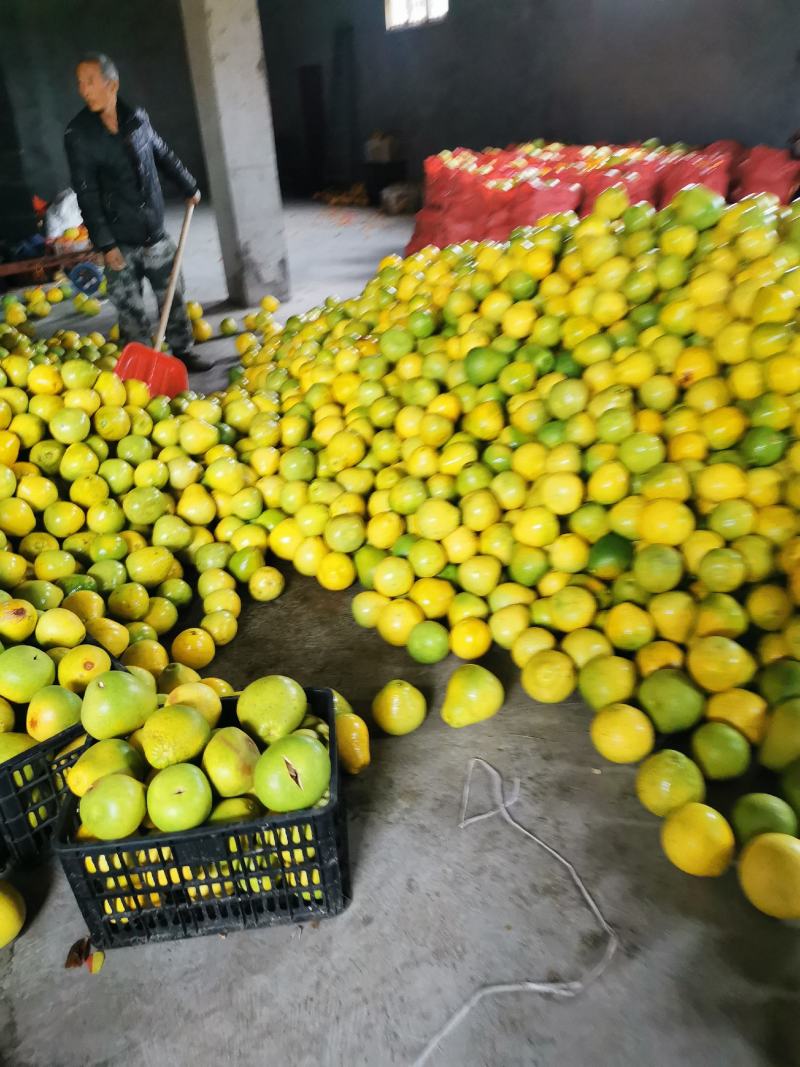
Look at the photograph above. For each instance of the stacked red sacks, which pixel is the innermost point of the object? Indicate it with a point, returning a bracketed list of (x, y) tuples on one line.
[(766, 170), (486, 195)]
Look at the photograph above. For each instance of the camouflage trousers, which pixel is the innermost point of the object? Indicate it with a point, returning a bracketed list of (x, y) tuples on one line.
[(154, 263)]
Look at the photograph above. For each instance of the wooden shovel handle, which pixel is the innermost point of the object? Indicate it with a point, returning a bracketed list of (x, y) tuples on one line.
[(173, 278)]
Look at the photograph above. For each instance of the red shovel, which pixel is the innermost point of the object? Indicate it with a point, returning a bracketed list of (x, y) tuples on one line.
[(165, 375)]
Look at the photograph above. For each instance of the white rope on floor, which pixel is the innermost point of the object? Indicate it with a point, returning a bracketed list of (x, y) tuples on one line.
[(563, 990)]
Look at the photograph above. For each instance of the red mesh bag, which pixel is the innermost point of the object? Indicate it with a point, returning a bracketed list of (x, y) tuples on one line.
[(466, 198), (456, 231), (437, 181), (510, 168), (639, 186), (569, 172), (494, 224), (572, 153), (649, 167), (429, 229), (696, 169), (767, 170), (731, 150), (532, 200)]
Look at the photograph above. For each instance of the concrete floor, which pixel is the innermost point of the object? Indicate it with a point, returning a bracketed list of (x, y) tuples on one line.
[(701, 978), (332, 252)]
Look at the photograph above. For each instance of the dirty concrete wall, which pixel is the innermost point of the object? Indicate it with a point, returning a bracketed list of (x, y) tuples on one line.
[(40, 42), (497, 71), (494, 71), (17, 219)]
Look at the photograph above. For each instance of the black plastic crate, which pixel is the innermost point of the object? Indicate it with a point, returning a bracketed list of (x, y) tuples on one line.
[(32, 790), (214, 879)]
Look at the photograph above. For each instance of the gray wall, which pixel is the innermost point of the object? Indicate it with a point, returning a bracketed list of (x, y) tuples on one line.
[(495, 71), (498, 71), (40, 41)]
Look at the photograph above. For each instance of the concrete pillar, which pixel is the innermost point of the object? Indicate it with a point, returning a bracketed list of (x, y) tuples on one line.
[(226, 57)]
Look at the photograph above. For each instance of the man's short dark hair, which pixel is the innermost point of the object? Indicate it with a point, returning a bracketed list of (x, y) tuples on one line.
[(108, 68)]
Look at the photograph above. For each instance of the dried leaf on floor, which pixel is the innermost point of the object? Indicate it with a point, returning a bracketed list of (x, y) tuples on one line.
[(78, 954)]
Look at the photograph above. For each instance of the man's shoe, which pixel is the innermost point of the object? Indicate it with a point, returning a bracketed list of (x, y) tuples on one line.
[(192, 362)]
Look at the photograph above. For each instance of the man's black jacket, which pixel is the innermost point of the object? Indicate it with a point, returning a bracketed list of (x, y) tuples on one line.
[(116, 179)]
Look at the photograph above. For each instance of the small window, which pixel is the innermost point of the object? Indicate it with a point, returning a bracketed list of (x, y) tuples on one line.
[(403, 13)]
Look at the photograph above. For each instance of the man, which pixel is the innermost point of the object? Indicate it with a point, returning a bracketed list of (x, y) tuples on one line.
[(114, 154)]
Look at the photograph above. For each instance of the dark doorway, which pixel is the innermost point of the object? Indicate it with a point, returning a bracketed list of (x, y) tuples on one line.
[(17, 219), (312, 105)]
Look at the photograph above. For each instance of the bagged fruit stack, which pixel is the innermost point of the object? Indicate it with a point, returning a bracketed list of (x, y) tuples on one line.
[(766, 170), (484, 196)]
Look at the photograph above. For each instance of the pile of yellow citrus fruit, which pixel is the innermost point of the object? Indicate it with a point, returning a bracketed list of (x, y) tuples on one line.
[(581, 446)]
